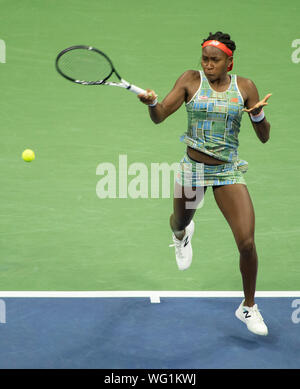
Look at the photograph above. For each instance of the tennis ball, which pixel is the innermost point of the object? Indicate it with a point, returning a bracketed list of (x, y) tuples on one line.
[(28, 155)]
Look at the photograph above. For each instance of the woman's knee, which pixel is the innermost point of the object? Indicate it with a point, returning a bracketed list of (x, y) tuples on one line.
[(185, 207), (246, 246)]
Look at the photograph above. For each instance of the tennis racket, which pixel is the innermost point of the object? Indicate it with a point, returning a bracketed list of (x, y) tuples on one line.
[(87, 65)]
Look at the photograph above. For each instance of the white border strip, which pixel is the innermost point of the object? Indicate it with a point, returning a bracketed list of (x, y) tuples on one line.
[(146, 293)]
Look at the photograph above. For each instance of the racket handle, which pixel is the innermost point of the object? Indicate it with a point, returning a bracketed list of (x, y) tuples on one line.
[(136, 90)]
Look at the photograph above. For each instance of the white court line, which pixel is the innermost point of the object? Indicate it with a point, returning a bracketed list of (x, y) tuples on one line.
[(144, 293)]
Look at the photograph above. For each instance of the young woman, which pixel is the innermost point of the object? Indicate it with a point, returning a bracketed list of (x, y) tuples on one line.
[(215, 102)]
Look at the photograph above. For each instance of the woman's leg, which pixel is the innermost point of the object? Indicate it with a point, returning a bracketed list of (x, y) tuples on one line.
[(185, 204), (235, 203)]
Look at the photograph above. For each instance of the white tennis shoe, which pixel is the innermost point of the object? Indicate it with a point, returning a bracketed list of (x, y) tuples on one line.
[(183, 248), (252, 318)]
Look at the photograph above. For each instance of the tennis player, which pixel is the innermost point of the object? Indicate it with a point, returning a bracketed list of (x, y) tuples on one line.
[(215, 102)]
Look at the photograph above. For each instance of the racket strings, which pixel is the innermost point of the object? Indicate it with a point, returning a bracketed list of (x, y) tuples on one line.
[(85, 65)]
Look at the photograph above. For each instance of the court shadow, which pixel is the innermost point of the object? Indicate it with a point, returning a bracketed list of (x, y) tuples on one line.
[(251, 341)]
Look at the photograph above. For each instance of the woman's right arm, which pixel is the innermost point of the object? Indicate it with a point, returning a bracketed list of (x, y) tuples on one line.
[(171, 102)]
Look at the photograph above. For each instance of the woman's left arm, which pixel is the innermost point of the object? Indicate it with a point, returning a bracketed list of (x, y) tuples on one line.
[(255, 111)]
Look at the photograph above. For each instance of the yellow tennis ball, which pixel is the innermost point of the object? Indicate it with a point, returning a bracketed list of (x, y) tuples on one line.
[(28, 155)]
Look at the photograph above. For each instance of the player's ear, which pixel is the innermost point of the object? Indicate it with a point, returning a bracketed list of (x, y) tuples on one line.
[(229, 63)]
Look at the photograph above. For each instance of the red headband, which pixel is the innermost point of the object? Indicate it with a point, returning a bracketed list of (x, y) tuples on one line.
[(221, 46)]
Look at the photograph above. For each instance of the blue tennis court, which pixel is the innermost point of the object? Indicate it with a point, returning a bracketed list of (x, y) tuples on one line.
[(133, 333)]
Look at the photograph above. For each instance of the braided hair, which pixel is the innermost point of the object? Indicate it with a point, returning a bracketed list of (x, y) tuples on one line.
[(223, 38)]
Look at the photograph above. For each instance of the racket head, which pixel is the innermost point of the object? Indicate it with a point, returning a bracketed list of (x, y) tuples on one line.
[(84, 65)]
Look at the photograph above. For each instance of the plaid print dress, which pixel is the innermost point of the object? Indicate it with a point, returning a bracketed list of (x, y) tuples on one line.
[(214, 120)]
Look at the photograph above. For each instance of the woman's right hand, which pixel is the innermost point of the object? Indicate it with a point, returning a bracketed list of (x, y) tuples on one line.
[(148, 98)]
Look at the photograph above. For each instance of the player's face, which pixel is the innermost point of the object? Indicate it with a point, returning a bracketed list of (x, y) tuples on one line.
[(214, 62)]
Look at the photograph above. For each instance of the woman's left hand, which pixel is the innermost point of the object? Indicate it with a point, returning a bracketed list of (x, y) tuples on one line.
[(258, 106)]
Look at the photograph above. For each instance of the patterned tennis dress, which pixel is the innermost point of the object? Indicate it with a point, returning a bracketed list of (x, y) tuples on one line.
[(214, 120)]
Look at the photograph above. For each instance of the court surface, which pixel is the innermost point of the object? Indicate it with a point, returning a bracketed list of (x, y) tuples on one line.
[(133, 333)]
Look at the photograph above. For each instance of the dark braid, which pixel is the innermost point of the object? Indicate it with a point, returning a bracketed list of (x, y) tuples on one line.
[(221, 37)]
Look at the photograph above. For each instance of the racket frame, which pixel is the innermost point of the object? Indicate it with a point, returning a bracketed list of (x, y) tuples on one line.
[(122, 84)]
